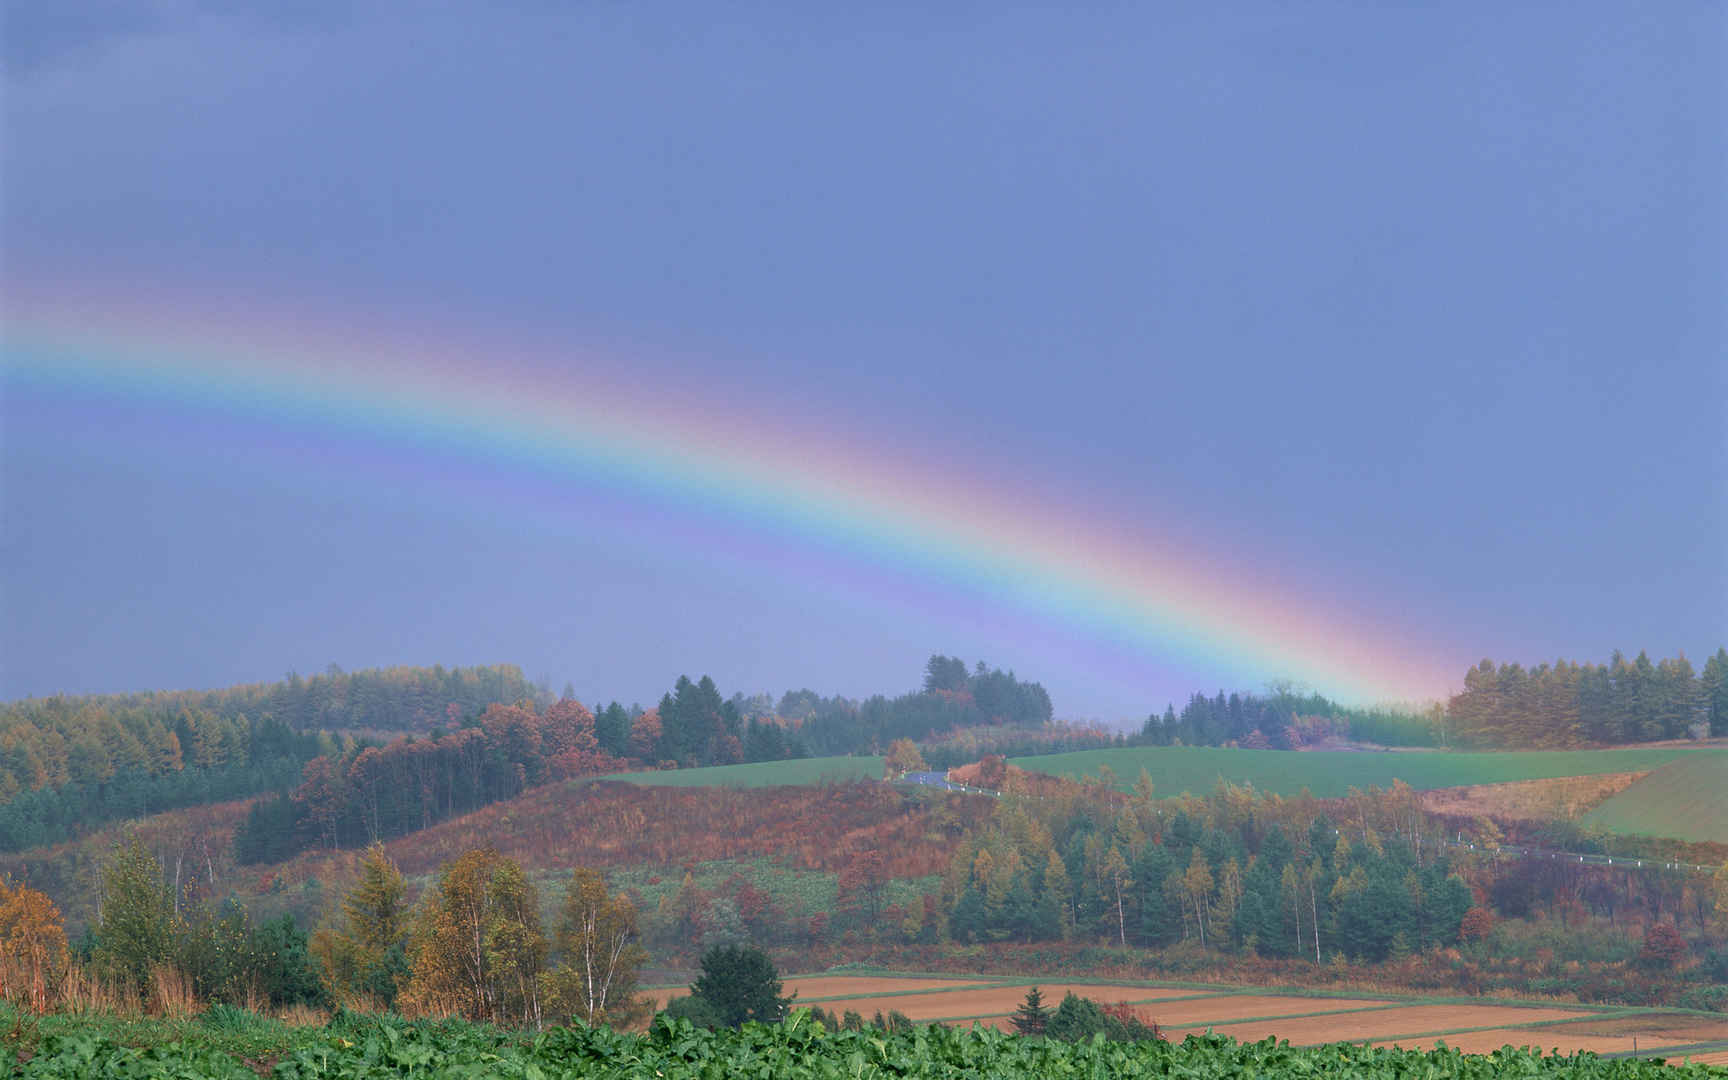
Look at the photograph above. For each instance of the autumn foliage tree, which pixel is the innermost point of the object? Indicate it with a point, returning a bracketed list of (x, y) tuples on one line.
[(1478, 921), (366, 955), (597, 940), (902, 758), (32, 946), (1664, 949), (476, 943)]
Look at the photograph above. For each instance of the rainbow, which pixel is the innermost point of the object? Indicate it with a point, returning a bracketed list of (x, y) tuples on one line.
[(535, 408)]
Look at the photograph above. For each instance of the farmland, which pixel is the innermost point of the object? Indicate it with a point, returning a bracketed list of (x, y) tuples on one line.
[(1330, 774), (355, 1047), (1249, 1014), (1686, 799)]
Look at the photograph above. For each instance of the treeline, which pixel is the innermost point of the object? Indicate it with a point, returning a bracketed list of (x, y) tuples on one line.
[(378, 699), (1571, 704), (1283, 720), (473, 946), (68, 765), (951, 698), (367, 793), (1245, 873)]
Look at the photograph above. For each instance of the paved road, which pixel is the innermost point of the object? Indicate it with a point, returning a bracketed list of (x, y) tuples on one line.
[(940, 780)]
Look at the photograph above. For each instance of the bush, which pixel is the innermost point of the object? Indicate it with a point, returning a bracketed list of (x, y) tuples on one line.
[(694, 1009), (1663, 949), (1079, 1018)]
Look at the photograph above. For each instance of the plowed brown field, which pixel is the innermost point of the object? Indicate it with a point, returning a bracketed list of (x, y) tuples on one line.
[(995, 1000), (851, 986), (825, 986), (1183, 1011), (1384, 1025), (1544, 1039), (1673, 1029)]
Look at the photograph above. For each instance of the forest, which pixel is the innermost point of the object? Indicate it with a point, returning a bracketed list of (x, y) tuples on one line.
[(73, 763), (364, 793)]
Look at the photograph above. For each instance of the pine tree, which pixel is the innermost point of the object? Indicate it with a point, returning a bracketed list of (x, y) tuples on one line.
[(1033, 1016), (1714, 692)]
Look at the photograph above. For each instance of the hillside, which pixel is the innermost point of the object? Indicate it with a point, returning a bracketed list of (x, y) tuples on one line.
[(1686, 799)]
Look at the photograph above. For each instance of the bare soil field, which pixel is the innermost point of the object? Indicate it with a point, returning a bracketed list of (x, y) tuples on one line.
[(995, 1001), (856, 989), (1176, 1014), (1675, 1029), (1182, 1011), (1563, 798), (1200, 1010), (1382, 1025), (827, 986), (1547, 1040)]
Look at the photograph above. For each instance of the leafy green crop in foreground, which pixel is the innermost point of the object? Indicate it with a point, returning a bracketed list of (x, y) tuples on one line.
[(799, 1049)]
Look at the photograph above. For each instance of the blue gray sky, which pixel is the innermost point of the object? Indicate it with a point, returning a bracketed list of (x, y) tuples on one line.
[(1415, 309)]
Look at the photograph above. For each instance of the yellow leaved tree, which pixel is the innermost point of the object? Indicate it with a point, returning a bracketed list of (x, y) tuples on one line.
[(476, 943), (596, 938)]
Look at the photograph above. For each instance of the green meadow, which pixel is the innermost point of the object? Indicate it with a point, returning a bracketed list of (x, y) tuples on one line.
[(1683, 800), (1328, 774), (797, 772)]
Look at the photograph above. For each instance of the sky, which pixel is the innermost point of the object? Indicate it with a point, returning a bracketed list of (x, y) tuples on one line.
[(1139, 349)]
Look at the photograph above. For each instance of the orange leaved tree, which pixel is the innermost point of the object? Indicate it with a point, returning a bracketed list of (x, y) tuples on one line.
[(32, 947)]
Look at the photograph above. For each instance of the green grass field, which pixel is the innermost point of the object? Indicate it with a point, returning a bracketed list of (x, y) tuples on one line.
[(1329, 774), (1684, 800), (799, 771)]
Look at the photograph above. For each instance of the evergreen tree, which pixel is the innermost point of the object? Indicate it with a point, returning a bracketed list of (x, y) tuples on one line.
[(739, 983), (1714, 692), (1033, 1016)]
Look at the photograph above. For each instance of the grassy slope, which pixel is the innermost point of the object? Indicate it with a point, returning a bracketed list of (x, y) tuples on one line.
[(1685, 799), (763, 773), (1328, 774)]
